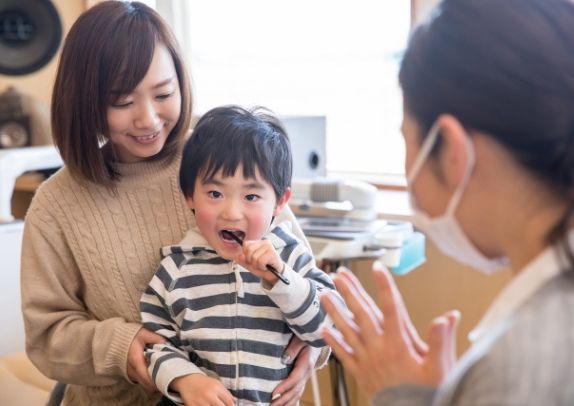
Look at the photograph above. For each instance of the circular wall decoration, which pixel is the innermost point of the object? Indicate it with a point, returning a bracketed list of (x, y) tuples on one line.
[(30, 34)]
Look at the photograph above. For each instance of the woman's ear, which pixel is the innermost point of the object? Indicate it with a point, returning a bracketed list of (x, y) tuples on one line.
[(282, 201), (454, 154)]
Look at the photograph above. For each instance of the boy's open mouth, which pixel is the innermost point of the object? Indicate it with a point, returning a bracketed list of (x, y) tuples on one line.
[(224, 234)]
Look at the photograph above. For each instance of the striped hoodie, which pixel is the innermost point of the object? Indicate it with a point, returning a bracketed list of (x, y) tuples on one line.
[(219, 320)]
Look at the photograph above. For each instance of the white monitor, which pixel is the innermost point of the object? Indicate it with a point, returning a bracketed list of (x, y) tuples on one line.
[(308, 144)]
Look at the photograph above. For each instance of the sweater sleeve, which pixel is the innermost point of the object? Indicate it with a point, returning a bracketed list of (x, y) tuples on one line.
[(299, 301), (63, 339), (170, 360)]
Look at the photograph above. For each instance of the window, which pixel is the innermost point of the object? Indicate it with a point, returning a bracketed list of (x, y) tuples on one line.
[(299, 57)]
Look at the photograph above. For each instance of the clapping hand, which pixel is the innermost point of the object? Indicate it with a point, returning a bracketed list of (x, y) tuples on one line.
[(378, 344)]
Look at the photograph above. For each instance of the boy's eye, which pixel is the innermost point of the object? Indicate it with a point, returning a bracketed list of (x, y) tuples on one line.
[(252, 198), (214, 194)]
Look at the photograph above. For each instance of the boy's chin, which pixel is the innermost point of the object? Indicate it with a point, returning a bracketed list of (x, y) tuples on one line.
[(226, 254)]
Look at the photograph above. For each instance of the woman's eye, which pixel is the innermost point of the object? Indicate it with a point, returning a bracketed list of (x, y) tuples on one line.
[(121, 104), (165, 96), (214, 194), (251, 198)]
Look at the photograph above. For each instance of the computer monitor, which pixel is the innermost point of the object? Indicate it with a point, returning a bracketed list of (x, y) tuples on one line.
[(308, 145)]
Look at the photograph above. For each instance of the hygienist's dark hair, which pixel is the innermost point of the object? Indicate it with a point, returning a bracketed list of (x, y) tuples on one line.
[(229, 136), (106, 54), (505, 68)]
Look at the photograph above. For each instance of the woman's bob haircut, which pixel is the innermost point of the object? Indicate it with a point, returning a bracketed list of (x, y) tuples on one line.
[(106, 55)]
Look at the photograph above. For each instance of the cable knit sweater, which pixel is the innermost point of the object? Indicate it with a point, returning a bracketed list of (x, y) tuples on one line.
[(87, 256)]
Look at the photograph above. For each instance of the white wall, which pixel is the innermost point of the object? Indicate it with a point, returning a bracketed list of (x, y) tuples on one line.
[(422, 8)]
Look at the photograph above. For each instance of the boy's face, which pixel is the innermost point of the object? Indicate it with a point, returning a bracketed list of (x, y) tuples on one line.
[(242, 206)]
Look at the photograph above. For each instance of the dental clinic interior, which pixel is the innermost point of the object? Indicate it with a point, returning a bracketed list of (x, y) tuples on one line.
[(324, 67)]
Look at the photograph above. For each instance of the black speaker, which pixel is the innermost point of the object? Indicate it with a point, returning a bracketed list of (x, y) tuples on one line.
[(30, 34)]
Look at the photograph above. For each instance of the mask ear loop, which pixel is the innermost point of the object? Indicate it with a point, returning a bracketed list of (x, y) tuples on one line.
[(471, 158), (423, 154)]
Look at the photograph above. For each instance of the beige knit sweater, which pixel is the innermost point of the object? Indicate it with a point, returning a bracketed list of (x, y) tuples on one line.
[(87, 256)]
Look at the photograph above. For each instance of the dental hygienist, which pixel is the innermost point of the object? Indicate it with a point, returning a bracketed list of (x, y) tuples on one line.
[(489, 129)]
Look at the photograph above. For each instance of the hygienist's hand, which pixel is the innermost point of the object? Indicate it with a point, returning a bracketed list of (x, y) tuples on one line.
[(137, 365), (256, 255), (290, 390), (386, 351)]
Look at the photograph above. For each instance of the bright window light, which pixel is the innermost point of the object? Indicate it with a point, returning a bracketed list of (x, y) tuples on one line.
[(308, 57)]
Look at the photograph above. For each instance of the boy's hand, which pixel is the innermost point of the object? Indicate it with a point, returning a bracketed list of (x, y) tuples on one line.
[(257, 254), (198, 389)]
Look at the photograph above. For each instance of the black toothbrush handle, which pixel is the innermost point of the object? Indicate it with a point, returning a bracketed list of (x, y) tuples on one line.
[(277, 274)]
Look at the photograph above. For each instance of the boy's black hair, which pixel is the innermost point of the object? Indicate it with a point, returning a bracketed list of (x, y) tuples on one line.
[(229, 136)]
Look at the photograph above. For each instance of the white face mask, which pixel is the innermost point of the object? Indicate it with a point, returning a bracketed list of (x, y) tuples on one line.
[(444, 230)]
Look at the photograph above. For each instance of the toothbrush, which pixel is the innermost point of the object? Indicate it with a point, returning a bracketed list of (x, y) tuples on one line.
[(274, 271)]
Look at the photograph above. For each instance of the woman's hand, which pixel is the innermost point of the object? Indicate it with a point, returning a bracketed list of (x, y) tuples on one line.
[(137, 365), (289, 391), (378, 345)]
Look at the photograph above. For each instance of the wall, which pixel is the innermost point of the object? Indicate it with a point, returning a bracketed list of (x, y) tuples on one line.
[(39, 84), (421, 9)]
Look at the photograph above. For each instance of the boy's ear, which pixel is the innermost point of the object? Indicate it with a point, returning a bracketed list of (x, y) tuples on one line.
[(282, 201)]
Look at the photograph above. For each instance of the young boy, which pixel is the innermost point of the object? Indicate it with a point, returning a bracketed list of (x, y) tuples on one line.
[(226, 317)]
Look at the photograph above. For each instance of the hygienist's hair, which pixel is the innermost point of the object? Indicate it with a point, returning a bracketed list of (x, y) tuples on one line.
[(230, 136), (106, 54), (505, 68)]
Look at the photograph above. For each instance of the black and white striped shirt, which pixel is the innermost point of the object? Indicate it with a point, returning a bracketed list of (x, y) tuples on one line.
[(220, 321)]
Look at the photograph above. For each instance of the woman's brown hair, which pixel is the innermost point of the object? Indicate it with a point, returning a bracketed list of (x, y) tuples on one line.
[(106, 54)]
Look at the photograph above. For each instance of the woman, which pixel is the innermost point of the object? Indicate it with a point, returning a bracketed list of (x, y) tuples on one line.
[(489, 129), (121, 107)]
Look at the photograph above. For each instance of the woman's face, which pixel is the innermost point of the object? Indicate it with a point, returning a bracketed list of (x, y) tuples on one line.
[(140, 122)]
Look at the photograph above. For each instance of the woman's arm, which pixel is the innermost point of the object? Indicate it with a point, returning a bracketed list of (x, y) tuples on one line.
[(305, 358), (169, 360), (62, 339)]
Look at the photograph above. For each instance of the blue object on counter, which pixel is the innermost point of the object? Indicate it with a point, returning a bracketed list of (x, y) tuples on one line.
[(412, 254)]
